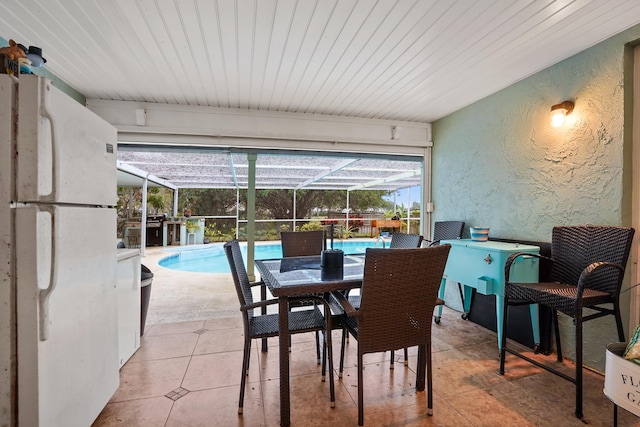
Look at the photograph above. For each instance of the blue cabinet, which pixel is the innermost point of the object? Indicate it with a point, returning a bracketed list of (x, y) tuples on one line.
[(480, 266)]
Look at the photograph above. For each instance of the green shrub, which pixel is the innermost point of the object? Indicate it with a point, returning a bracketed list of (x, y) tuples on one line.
[(192, 224), (311, 226)]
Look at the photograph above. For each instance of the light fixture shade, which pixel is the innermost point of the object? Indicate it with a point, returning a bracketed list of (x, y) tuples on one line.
[(557, 117), (559, 112)]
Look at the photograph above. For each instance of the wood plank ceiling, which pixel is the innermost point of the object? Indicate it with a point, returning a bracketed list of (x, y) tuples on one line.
[(405, 60), (415, 60)]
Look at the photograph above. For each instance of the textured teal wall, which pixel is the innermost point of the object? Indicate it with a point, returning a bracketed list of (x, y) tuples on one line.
[(499, 163)]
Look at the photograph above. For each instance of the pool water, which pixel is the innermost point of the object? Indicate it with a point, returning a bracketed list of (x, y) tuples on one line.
[(212, 259)]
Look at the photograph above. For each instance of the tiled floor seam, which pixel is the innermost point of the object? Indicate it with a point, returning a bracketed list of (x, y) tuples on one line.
[(178, 393)]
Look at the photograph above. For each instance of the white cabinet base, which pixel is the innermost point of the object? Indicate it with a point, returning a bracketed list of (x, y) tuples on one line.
[(128, 291)]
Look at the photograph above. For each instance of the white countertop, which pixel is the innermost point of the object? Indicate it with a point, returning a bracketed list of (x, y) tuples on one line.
[(127, 253)]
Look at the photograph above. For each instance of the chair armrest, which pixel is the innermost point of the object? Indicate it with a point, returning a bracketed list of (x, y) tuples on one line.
[(512, 258), (259, 304), (345, 304), (258, 283), (267, 302), (263, 292), (591, 269)]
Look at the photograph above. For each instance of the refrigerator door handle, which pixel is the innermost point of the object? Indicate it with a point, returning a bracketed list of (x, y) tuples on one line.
[(45, 294), (47, 113)]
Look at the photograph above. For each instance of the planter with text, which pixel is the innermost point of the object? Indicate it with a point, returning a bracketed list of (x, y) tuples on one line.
[(622, 379)]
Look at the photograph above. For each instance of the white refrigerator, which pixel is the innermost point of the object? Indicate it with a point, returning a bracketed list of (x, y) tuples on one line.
[(58, 321)]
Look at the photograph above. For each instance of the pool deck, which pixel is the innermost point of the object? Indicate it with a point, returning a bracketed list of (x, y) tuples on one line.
[(180, 296)]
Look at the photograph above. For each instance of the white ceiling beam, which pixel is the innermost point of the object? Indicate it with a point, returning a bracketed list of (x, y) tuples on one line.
[(321, 175), (184, 120), (233, 171), (129, 176), (387, 180)]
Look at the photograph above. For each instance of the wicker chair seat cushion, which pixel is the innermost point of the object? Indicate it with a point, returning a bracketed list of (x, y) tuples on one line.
[(299, 321), (560, 296)]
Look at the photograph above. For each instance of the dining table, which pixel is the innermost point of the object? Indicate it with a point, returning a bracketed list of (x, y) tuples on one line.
[(296, 276)]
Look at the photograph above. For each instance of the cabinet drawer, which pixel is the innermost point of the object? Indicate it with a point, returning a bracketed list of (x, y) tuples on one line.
[(484, 285)]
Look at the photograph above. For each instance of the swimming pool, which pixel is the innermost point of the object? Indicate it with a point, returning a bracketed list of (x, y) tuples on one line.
[(211, 258)]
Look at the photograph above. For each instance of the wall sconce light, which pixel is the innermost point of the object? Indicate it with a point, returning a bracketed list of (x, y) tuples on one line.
[(559, 112)]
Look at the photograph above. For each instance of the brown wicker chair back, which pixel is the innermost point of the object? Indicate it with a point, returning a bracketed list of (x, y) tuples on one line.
[(575, 248), (240, 276), (302, 243), (405, 241), (446, 230), (399, 293)]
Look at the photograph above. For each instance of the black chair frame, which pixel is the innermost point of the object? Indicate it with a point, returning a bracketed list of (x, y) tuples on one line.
[(267, 325), (587, 269)]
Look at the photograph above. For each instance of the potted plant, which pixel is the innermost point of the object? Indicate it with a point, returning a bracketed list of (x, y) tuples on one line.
[(210, 233)]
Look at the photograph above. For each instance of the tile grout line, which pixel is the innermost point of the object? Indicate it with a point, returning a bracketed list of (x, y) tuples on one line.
[(185, 373)]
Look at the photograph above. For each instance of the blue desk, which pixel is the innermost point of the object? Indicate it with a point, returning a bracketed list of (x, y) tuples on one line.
[(480, 266)]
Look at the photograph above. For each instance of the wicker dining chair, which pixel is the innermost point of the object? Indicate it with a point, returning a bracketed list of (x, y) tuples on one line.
[(404, 241), (587, 269), (302, 243), (399, 293), (446, 230), (398, 241), (266, 325)]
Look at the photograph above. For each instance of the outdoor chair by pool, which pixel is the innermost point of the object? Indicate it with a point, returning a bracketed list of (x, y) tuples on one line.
[(399, 293), (404, 241), (264, 326), (587, 268), (446, 230), (302, 243)]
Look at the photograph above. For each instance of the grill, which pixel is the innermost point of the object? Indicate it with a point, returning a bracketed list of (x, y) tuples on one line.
[(155, 231)]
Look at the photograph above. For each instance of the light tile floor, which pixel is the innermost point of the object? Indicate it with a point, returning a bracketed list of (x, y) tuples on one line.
[(187, 373)]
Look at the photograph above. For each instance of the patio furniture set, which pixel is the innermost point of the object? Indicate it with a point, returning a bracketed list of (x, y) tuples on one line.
[(394, 306)]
